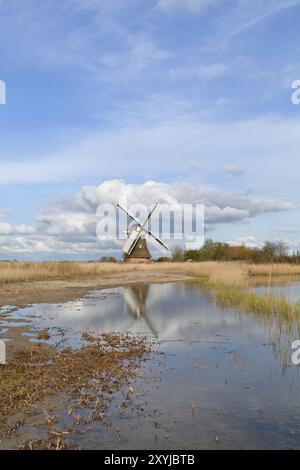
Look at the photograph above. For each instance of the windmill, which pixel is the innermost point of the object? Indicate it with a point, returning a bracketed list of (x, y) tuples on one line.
[(135, 248), (137, 306)]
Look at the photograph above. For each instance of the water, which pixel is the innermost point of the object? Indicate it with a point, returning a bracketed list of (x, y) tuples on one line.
[(225, 381), (290, 290)]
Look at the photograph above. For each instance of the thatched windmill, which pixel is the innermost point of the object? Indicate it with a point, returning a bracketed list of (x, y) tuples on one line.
[(135, 248)]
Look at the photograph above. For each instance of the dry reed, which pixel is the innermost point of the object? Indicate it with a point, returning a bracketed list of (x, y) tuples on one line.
[(224, 272)]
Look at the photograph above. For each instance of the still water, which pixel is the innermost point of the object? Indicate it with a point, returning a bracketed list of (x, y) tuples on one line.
[(290, 290), (225, 379)]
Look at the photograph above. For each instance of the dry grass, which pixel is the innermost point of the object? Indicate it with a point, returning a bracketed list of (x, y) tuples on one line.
[(99, 367), (19, 272), (224, 272)]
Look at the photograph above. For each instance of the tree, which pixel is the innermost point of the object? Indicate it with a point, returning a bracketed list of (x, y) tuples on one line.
[(177, 254), (108, 259), (274, 251)]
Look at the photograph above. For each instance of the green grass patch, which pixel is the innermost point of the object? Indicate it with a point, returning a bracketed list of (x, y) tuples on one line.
[(241, 299)]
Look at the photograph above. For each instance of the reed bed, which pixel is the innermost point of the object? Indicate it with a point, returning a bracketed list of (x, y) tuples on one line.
[(230, 284), (229, 273), (243, 300), (19, 272)]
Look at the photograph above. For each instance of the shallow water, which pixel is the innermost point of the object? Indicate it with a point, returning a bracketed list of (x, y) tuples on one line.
[(225, 381), (289, 290)]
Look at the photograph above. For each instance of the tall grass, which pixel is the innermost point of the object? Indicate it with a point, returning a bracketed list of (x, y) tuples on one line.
[(230, 284), (19, 272), (243, 300), (226, 273)]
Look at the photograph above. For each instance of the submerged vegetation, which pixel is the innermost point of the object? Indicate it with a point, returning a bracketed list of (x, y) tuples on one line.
[(242, 300), (231, 284), (89, 374)]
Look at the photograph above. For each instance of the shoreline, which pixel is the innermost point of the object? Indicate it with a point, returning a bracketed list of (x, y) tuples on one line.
[(21, 294)]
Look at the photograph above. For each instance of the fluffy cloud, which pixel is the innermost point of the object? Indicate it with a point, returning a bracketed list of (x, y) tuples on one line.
[(9, 229), (221, 206), (68, 227)]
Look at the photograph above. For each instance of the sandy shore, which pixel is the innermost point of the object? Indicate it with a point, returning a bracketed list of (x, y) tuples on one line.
[(57, 291)]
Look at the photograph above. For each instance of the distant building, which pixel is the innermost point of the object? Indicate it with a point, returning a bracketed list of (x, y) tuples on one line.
[(235, 253)]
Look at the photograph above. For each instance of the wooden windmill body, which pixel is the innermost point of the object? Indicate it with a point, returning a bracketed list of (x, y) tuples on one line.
[(140, 253)]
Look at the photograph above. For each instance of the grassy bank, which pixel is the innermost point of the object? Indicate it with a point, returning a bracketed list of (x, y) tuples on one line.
[(230, 284)]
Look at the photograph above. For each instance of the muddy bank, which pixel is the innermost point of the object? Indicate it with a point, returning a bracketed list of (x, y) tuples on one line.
[(55, 291), (88, 377)]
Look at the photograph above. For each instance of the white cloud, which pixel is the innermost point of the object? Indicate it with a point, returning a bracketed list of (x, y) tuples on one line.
[(69, 226), (249, 241), (268, 147), (290, 230), (9, 229), (257, 12), (221, 205), (234, 170), (195, 6), (200, 72)]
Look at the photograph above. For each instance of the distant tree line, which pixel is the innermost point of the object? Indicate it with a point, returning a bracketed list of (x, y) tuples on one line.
[(108, 259), (271, 252)]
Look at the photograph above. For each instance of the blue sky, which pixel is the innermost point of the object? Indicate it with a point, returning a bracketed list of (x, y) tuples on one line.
[(104, 96)]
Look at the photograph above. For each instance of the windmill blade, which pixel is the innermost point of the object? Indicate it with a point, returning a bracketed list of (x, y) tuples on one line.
[(145, 230), (156, 239), (150, 214), (129, 214), (131, 241), (135, 241), (151, 325), (131, 302)]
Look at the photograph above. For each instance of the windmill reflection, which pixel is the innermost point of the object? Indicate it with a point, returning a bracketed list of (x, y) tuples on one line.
[(138, 307)]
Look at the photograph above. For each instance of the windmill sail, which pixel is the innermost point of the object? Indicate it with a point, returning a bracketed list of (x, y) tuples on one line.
[(130, 242)]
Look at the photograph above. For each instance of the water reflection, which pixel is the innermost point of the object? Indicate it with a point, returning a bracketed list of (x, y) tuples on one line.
[(136, 301), (289, 290), (233, 368), (167, 312)]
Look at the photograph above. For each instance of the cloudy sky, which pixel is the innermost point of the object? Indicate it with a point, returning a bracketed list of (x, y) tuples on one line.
[(156, 99)]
